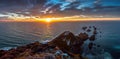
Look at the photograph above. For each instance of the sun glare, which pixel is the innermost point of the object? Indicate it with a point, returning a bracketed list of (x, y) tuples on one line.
[(48, 20)]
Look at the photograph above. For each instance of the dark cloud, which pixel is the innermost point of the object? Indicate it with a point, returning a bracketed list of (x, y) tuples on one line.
[(59, 6)]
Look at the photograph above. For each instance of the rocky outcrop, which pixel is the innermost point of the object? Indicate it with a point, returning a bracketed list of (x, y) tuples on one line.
[(65, 46), (66, 41)]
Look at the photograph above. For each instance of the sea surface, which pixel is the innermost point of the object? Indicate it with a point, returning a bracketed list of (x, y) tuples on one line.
[(14, 34)]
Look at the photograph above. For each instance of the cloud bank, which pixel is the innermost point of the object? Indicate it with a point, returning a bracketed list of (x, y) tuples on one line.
[(105, 8)]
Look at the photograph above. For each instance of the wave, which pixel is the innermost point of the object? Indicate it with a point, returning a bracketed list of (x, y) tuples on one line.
[(6, 48)]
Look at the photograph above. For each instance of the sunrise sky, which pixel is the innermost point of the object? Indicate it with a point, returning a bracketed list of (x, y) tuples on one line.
[(59, 10)]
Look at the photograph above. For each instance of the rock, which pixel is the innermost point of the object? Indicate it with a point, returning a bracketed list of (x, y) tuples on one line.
[(90, 46), (94, 28), (94, 32), (84, 28), (88, 30), (83, 36), (64, 41), (7, 56), (98, 45), (77, 56), (90, 27), (92, 38), (38, 56), (65, 46), (2, 52), (68, 42)]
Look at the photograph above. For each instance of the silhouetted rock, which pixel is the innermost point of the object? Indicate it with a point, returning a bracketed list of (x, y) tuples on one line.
[(98, 45), (2, 52), (95, 30), (88, 30), (92, 38), (65, 41), (84, 28), (83, 36), (90, 27), (90, 46)]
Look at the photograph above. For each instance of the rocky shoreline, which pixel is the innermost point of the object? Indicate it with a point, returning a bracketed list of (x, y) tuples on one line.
[(65, 46)]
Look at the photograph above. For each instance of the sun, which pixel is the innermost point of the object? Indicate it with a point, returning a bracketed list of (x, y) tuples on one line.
[(48, 20)]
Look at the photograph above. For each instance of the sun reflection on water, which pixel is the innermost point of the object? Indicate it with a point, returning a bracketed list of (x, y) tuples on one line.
[(48, 31)]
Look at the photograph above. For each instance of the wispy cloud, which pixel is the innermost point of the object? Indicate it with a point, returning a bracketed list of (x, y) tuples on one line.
[(60, 6)]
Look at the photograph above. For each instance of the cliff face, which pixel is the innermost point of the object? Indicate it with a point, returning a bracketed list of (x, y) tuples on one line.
[(65, 46), (68, 42), (65, 41)]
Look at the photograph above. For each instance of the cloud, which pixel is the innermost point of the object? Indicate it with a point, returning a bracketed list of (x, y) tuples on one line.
[(71, 0), (58, 6), (3, 15), (13, 16)]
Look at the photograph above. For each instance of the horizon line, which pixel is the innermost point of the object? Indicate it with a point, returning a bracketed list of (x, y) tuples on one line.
[(76, 19)]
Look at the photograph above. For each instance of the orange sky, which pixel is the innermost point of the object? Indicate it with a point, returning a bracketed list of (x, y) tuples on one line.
[(61, 19)]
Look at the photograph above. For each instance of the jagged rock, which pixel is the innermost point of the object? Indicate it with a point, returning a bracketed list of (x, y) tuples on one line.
[(37, 56), (88, 30), (94, 28), (83, 36), (98, 45), (84, 28), (65, 41), (94, 32), (90, 46), (2, 52), (92, 38), (90, 27), (69, 43)]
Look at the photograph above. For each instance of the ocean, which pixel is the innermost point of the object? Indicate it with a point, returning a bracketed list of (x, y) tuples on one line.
[(13, 34)]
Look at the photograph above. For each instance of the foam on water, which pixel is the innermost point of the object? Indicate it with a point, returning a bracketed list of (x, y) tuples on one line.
[(6, 48)]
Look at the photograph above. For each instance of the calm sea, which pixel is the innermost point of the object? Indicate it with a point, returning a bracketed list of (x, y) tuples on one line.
[(14, 34)]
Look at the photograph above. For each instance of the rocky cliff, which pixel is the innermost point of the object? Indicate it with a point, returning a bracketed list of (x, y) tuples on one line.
[(65, 46)]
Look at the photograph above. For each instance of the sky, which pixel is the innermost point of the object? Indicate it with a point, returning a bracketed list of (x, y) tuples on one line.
[(59, 8)]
